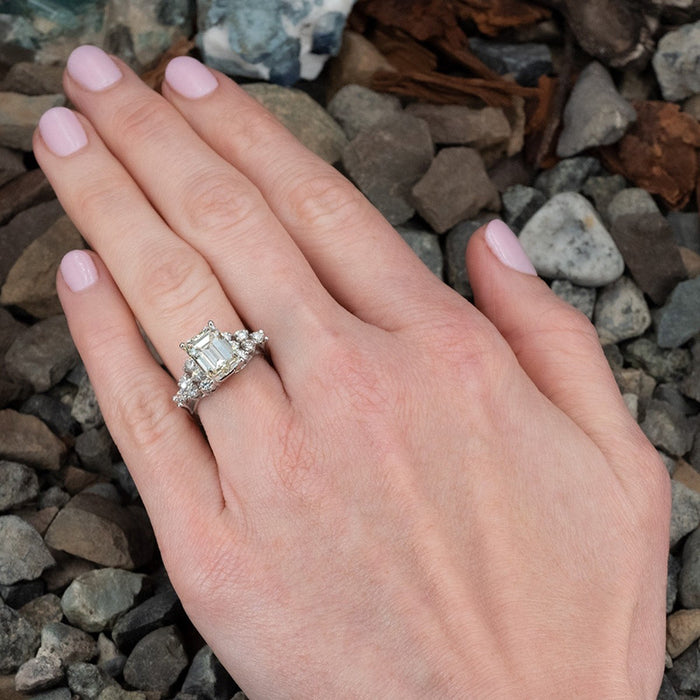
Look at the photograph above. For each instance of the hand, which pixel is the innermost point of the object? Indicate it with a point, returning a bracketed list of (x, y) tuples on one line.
[(413, 497)]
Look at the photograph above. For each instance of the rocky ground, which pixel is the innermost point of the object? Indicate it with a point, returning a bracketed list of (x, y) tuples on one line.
[(589, 150)]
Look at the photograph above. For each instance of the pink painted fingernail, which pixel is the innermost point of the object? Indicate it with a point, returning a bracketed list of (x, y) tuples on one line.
[(190, 78), (92, 68), (78, 270), (504, 244), (61, 131)]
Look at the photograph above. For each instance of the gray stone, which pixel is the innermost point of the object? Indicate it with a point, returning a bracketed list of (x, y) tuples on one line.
[(456, 187), (595, 115), (566, 239), (526, 62), (113, 692), (110, 660), (679, 319), (27, 440), (24, 192), (455, 250), (426, 246), (666, 691), (18, 640), (94, 600), (386, 160), (676, 62), (357, 108), (685, 673), (30, 78), (520, 204), (41, 672), (670, 393), (68, 643), (17, 594), (667, 428), (11, 165), (18, 484), (19, 115), (42, 610), (206, 678), (304, 117), (9, 330), (568, 175), (85, 408), (53, 497), (691, 383), (54, 694), (685, 511), (88, 681), (43, 354), (581, 298), (95, 449), (632, 200), (665, 365), (53, 412), (23, 554), (603, 189), (689, 579), (674, 570), (686, 229), (157, 661), (621, 312)]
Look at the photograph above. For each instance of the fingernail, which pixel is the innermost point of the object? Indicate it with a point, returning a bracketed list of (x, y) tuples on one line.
[(92, 68), (189, 77), (504, 244), (61, 131), (78, 270)]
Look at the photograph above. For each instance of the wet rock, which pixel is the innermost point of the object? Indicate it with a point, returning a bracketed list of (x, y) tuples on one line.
[(679, 319), (566, 239), (357, 108), (54, 413), (25, 191), (526, 62), (157, 661), (581, 298), (621, 312), (23, 554), (155, 612), (68, 643), (425, 245), (18, 484), (96, 529), (19, 115), (42, 610), (207, 678), (30, 78), (520, 203), (456, 187), (568, 175), (675, 62), (18, 640), (667, 428), (94, 600), (11, 165), (595, 115), (665, 365), (87, 680), (385, 162)]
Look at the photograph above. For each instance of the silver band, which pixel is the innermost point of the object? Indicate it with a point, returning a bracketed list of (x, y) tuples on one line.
[(214, 355)]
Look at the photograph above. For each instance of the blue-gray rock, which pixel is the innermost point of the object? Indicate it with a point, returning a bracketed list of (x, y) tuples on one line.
[(18, 639), (87, 681), (95, 449), (685, 511), (18, 484), (53, 497), (426, 246), (679, 319), (664, 365), (23, 554), (53, 412), (595, 115), (581, 298), (520, 203), (157, 661), (676, 62), (357, 108), (621, 312), (69, 644), (667, 428), (566, 239), (19, 115), (206, 678), (686, 229), (277, 41), (526, 62), (41, 672), (674, 570), (568, 175)]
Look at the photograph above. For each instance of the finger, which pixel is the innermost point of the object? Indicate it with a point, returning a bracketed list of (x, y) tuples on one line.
[(356, 253), (206, 202)]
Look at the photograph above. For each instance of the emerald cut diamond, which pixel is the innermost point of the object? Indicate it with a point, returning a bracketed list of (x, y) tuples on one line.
[(215, 355)]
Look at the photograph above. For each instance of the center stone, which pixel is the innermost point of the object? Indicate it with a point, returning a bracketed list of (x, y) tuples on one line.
[(213, 353)]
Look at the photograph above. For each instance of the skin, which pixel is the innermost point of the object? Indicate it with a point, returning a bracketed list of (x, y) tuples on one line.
[(415, 496)]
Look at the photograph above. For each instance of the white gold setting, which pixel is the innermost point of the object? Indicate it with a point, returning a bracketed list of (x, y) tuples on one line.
[(214, 355)]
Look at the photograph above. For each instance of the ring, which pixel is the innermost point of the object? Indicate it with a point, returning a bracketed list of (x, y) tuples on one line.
[(214, 355)]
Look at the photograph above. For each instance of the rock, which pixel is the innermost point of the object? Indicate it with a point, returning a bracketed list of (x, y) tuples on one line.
[(566, 239), (43, 354), (674, 569), (76, 480), (357, 108), (691, 383), (156, 661), (207, 679), (682, 629), (95, 449), (581, 298), (455, 249), (19, 115), (526, 62), (621, 312), (689, 579), (667, 428), (568, 175), (113, 692), (603, 189), (632, 200), (455, 187), (67, 568), (86, 409), (27, 440), (691, 262), (39, 519), (54, 413), (25, 191), (110, 660), (54, 497), (665, 365), (11, 165), (54, 694), (276, 41), (679, 319), (685, 511), (17, 594), (43, 671), (94, 600), (685, 673), (460, 125), (304, 117), (68, 643), (520, 204), (30, 78), (87, 681), (386, 160), (103, 532), (666, 692), (31, 282), (18, 640), (18, 484), (23, 554), (686, 229), (426, 246), (595, 115), (675, 62), (10, 329), (42, 610)]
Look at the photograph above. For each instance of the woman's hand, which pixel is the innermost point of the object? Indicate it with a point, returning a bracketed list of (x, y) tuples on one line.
[(413, 497)]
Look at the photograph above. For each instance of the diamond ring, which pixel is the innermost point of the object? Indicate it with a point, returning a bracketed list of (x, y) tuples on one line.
[(214, 355)]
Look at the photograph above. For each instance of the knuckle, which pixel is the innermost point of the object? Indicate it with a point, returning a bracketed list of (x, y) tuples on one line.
[(143, 119), (257, 125), (100, 198)]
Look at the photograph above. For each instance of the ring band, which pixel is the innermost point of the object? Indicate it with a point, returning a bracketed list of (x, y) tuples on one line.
[(214, 355)]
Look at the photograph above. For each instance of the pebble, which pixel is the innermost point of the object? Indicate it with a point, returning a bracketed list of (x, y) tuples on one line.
[(110, 660), (456, 187), (101, 531), (17, 594), (18, 640), (27, 440), (581, 298), (526, 62), (67, 568), (689, 578), (304, 117), (207, 678), (595, 115), (54, 694), (156, 661), (679, 319), (11, 165), (43, 610), (603, 189), (18, 484), (25, 191), (95, 449), (685, 512), (94, 600), (39, 519), (520, 203), (621, 312), (19, 115), (31, 78), (667, 692), (68, 643), (667, 428), (86, 409), (674, 570), (53, 497), (23, 554), (113, 692), (569, 175), (455, 249), (88, 681), (676, 62), (690, 385), (691, 262), (357, 108), (685, 673), (42, 672), (53, 412), (425, 245), (566, 239), (386, 160), (682, 629), (665, 365), (686, 229)]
